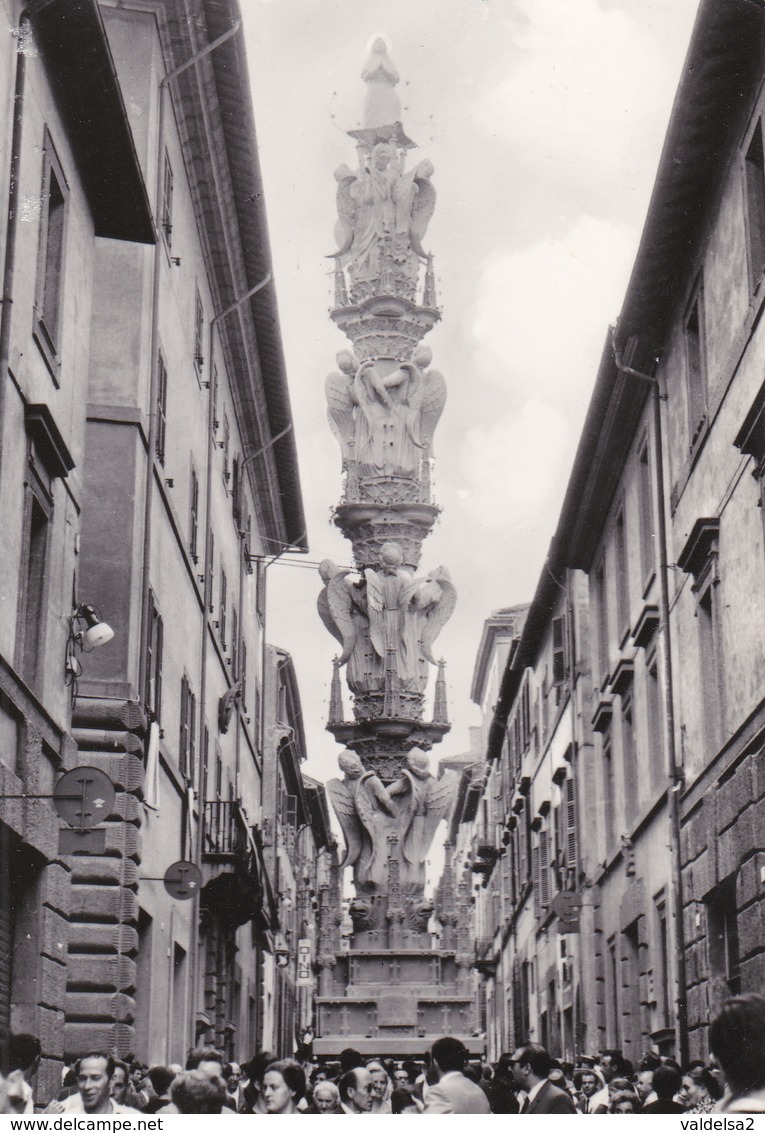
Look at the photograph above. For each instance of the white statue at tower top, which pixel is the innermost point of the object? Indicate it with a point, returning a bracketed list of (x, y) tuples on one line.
[(382, 106), (383, 210)]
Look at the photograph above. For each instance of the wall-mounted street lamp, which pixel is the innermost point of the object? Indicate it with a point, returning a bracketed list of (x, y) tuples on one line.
[(87, 631)]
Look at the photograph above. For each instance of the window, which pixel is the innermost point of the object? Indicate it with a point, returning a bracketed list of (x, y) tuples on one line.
[(709, 659), (222, 608), (199, 333), (161, 410), (167, 202), (211, 568), (645, 503), (601, 605), (699, 557), (653, 721), (214, 398), (622, 577), (193, 515), (243, 674), (754, 175), (722, 922), (544, 869), (566, 826), (187, 737), (696, 365), (559, 653), (662, 969), (631, 786), (153, 692), (33, 597), (50, 266), (609, 791), (234, 640), (613, 1002), (226, 442)]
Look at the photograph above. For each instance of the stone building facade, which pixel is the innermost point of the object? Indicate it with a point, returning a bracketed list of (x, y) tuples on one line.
[(661, 539), (148, 472)]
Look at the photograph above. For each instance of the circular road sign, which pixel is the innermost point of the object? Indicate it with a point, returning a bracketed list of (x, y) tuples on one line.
[(182, 880), (567, 906), (84, 797)]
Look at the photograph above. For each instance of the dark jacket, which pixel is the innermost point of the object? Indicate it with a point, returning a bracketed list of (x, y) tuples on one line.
[(551, 1100), (662, 1105)]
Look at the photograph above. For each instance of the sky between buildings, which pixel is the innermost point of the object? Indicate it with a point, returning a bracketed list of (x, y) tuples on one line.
[(544, 120)]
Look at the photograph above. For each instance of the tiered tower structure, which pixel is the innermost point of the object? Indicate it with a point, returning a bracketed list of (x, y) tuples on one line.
[(393, 992)]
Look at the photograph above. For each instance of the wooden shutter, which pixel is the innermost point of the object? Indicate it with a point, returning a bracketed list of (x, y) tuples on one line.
[(544, 869), (559, 650), (183, 732), (570, 806), (535, 881)]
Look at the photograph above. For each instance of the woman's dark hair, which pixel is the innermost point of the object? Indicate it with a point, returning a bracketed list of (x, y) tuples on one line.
[(258, 1064), (706, 1078), (737, 1040), (293, 1075)]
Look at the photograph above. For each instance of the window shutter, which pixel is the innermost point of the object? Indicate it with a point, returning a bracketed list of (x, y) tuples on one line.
[(535, 881), (236, 490), (192, 727), (559, 650), (570, 824), (183, 739), (161, 409), (544, 869)]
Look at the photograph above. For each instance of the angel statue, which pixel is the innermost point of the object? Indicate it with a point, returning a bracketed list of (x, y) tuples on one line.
[(406, 614), (342, 608), (381, 205), (422, 802), (366, 815)]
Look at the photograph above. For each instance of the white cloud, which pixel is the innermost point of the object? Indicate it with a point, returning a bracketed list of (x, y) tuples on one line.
[(515, 465), (540, 314)]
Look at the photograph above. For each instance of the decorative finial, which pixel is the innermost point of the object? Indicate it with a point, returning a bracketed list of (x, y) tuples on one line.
[(440, 711), (335, 695)]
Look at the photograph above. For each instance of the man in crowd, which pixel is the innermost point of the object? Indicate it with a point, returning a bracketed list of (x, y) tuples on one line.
[(531, 1064), (23, 1060), (197, 1092), (737, 1040), (593, 1090), (93, 1073), (501, 1089), (356, 1091), (454, 1093)]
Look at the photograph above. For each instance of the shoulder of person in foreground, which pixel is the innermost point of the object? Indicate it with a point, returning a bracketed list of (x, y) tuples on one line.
[(438, 1101)]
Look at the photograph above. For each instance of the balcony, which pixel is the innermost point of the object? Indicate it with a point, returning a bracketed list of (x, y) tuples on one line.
[(226, 834), (484, 855), (486, 957), (235, 885)]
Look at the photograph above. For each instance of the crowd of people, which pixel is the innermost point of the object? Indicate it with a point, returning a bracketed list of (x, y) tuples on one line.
[(445, 1080)]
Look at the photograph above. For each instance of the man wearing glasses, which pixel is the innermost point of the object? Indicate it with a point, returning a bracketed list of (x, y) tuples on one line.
[(530, 1065), (356, 1091)]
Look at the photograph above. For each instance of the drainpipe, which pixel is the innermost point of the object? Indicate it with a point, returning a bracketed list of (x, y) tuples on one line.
[(14, 177), (675, 771)]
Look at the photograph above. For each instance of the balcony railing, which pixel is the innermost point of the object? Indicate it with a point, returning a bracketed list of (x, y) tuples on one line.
[(485, 956), (227, 836)]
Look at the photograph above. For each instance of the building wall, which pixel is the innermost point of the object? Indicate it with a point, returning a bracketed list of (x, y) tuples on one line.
[(718, 605), (103, 956)]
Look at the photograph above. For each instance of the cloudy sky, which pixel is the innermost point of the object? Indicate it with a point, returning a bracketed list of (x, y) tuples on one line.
[(544, 120)]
